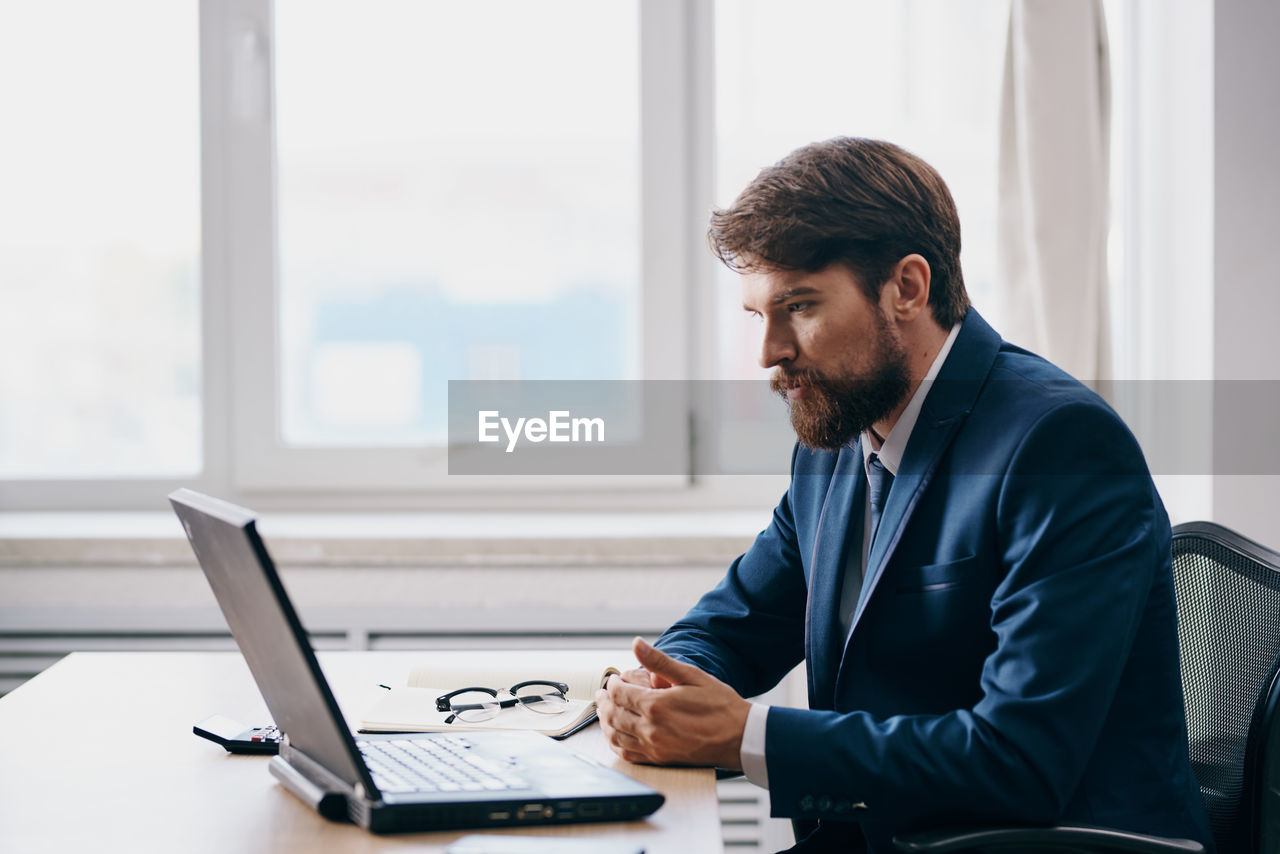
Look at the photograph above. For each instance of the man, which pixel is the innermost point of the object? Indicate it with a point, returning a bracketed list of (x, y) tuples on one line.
[(971, 558)]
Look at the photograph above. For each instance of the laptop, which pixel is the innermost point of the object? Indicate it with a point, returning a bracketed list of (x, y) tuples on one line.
[(385, 783)]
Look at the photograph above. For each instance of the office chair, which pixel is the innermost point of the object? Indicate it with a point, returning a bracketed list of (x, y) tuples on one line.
[(1228, 592)]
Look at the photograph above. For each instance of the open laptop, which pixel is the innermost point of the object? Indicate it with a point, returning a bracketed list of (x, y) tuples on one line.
[(423, 781)]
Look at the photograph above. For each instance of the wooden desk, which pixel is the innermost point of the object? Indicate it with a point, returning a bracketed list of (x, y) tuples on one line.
[(97, 754)]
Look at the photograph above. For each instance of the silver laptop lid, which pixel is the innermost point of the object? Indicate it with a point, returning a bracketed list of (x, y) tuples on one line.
[(268, 632)]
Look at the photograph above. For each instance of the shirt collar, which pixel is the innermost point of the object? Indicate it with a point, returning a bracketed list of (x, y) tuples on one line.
[(895, 444)]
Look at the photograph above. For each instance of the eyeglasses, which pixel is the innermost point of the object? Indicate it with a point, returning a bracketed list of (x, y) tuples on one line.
[(480, 704)]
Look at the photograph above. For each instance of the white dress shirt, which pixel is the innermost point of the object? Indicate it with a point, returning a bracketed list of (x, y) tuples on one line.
[(890, 453)]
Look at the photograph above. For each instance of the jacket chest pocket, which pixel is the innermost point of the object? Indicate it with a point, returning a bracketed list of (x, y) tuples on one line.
[(936, 577), (932, 620)]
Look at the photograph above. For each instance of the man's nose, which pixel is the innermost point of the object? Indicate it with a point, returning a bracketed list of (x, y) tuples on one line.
[(778, 345)]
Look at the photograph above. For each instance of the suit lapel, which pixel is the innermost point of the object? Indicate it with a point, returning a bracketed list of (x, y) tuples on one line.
[(918, 466), (838, 527), (945, 408)]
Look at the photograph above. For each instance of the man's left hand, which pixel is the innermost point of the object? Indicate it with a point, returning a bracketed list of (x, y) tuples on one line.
[(695, 719)]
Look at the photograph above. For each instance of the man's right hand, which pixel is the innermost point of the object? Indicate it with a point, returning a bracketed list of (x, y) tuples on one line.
[(671, 712)]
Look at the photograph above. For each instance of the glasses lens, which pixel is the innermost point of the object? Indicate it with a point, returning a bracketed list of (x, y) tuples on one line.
[(474, 706), (543, 699)]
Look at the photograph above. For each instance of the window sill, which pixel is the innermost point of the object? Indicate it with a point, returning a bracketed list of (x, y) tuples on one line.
[(401, 539)]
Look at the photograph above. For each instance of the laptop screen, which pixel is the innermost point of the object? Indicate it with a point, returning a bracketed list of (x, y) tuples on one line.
[(268, 631)]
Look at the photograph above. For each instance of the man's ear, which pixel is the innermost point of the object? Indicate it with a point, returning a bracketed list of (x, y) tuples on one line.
[(907, 291)]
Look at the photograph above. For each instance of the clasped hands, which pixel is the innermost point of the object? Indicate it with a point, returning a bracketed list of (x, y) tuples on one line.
[(671, 713)]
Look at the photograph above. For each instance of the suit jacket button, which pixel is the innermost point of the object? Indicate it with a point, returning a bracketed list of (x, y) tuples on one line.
[(806, 803), (824, 803), (842, 806)]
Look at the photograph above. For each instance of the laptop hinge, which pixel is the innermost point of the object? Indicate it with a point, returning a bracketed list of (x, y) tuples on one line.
[(311, 784)]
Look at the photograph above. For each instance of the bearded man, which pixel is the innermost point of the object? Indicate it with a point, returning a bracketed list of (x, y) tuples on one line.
[(971, 559)]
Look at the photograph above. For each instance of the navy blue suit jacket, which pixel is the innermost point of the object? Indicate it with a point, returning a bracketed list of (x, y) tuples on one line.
[(1014, 657)]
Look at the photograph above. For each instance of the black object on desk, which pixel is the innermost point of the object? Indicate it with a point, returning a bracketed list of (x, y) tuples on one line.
[(238, 738)]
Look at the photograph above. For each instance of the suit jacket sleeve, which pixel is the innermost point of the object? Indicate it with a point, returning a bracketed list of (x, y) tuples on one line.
[(1080, 536), (749, 630)]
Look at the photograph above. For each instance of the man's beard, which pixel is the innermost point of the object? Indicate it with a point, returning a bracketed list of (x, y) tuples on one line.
[(835, 409)]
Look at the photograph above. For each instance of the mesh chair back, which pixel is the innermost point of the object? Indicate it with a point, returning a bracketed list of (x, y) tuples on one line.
[(1228, 590)]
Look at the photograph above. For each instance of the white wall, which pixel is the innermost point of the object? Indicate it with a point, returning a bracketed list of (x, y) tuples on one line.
[(1246, 242)]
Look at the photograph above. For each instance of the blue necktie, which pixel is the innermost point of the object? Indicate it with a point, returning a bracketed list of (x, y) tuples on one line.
[(879, 482)]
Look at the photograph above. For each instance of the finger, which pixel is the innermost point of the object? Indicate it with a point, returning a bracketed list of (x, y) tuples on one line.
[(622, 740), (614, 716), (659, 664), (643, 677), (631, 748), (637, 756), (615, 726), (639, 676), (657, 681), (624, 695)]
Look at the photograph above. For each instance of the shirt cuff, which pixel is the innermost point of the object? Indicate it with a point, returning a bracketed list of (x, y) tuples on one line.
[(751, 754)]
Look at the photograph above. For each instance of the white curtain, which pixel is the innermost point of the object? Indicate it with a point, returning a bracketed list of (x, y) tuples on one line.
[(1054, 184)]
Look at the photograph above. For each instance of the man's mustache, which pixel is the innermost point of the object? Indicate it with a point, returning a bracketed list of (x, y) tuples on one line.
[(784, 379)]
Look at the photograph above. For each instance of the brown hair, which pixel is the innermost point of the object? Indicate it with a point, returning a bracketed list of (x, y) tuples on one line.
[(862, 203)]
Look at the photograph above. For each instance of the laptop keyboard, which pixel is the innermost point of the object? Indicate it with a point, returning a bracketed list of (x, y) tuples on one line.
[(444, 764)]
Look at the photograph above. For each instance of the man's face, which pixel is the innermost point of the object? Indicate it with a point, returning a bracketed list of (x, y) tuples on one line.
[(837, 361)]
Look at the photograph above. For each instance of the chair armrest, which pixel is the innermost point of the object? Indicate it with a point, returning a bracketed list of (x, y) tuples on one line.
[(1076, 839)]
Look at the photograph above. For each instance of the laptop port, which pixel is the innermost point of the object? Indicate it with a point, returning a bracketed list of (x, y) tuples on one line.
[(590, 810), (501, 815), (534, 811)]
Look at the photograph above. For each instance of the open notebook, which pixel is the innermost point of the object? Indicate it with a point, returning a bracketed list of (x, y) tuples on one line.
[(411, 706)]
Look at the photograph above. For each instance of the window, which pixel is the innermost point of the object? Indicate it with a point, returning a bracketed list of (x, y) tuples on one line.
[(398, 193), (925, 75), (99, 240), (457, 200)]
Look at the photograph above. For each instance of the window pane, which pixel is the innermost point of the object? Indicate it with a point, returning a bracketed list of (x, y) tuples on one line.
[(459, 199), (924, 75), (99, 239)]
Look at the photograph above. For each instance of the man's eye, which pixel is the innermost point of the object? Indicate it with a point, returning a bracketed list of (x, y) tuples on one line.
[(795, 307)]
